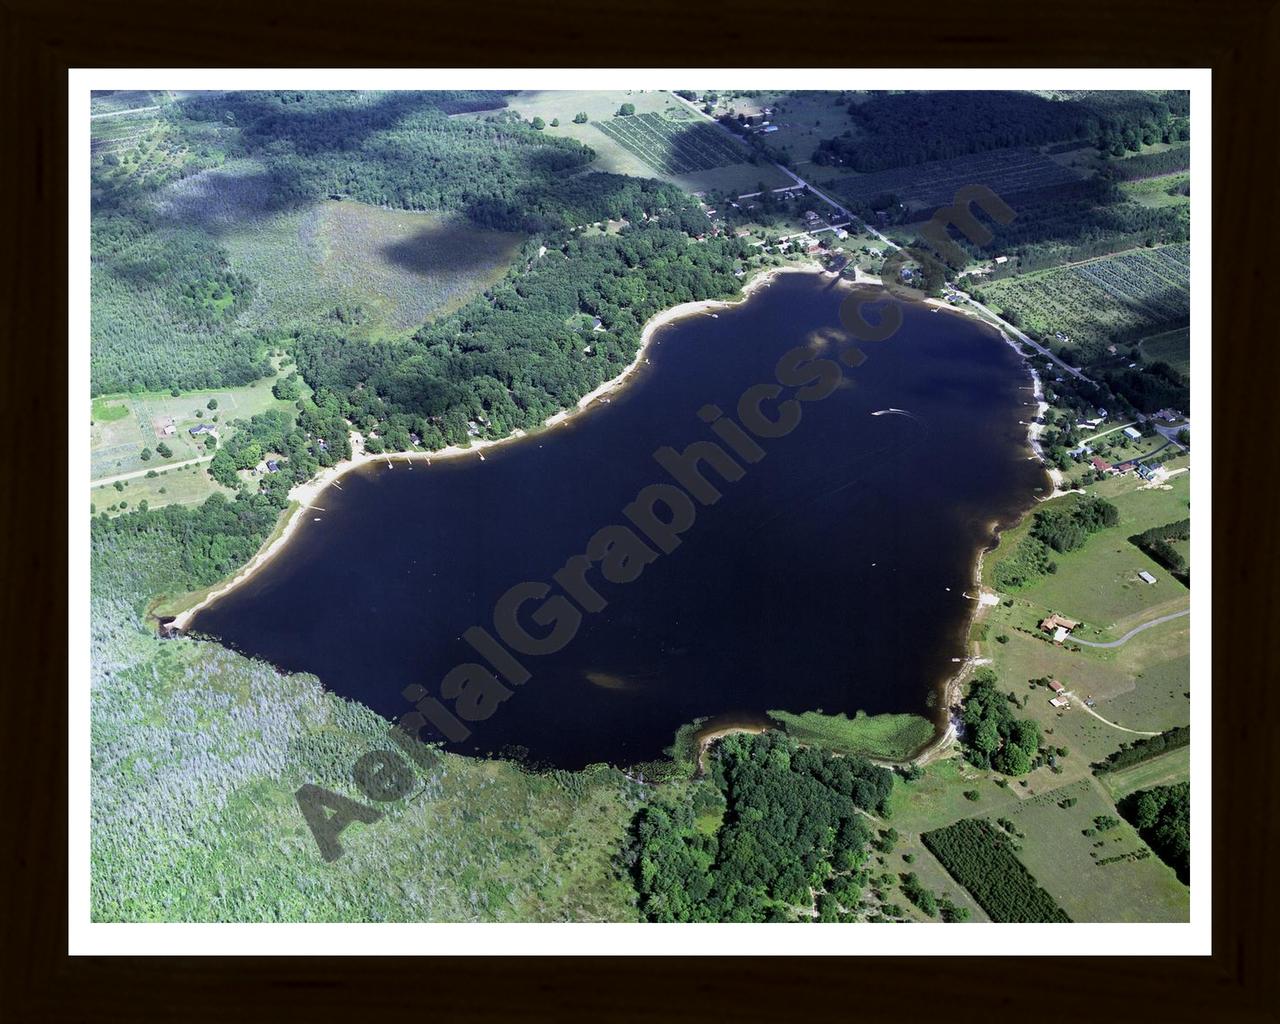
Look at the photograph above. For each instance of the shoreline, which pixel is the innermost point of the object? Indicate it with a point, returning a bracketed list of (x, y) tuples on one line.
[(305, 494), (951, 687)]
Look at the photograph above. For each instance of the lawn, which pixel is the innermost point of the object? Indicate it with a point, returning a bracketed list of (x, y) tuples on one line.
[(887, 737), (1068, 864)]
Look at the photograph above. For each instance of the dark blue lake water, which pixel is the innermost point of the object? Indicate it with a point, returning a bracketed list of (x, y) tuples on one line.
[(831, 575)]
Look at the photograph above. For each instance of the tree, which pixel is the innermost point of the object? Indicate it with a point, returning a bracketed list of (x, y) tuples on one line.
[(626, 110), (538, 124), (580, 117), (555, 122), (213, 404), (164, 450), (146, 454)]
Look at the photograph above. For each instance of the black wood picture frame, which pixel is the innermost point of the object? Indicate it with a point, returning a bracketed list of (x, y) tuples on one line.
[(42, 39)]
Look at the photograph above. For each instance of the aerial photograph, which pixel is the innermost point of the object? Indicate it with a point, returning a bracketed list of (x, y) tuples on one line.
[(639, 505)]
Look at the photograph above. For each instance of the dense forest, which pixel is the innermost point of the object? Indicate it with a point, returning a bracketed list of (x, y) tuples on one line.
[(993, 736), (166, 300), (897, 129), (514, 357), (776, 834), (1162, 817)]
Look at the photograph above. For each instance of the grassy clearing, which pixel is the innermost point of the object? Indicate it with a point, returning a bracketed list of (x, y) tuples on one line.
[(1158, 192), (189, 485), (887, 737), (1165, 770), (1173, 347), (1068, 865)]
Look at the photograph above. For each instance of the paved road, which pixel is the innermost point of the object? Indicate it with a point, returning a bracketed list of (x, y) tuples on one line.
[(1133, 632), (143, 472)]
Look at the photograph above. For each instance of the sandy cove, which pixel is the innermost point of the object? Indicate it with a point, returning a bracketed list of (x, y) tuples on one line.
[(306, 494)]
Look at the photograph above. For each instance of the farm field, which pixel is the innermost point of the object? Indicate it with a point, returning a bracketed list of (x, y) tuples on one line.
[(1114, 298), (612, 155), (1069, 864), (673, 147), (926, 186), (1173, 347)]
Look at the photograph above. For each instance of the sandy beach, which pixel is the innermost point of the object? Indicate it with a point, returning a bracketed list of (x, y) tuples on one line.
[(307, 495)]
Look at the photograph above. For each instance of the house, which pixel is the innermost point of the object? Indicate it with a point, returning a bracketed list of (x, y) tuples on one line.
[(1100, 464), (841, 233), (1055, 686), (1146, 577), (597, 324), (1059, 626), (1061, 336), (1059, 702), (273, 466), (1145, 472), (202, 428), (769, 128), (1132, 433), (1001, 260)]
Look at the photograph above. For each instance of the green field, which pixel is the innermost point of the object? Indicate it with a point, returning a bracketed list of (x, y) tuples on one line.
[(886, 737), (1158, 192), (1172, 347), (1164, 770), (1099, 583), (1067, 862)]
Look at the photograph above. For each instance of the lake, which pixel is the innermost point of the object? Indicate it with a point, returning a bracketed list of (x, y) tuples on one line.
[(835, 573)]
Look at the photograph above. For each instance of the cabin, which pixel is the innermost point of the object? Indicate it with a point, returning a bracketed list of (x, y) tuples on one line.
[(1059, 702), (1001, 260)]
